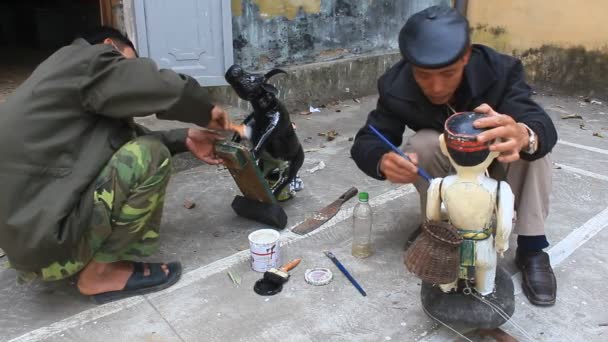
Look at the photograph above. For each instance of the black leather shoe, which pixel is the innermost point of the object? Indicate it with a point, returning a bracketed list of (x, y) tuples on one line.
[(538, 279)]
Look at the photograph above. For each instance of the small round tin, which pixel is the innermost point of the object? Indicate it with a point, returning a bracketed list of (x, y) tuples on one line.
[(318, 276)]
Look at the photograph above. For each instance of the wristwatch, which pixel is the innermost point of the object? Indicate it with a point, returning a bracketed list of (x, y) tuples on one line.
[(532, 141)]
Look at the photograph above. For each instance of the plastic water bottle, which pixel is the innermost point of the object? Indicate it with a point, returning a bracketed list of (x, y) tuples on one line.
[(362, 227)]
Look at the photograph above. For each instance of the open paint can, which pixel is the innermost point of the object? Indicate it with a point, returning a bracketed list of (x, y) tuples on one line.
[(264, 247)]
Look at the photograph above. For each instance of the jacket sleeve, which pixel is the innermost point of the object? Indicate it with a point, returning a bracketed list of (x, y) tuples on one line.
[(122, 88), (517, 103), (368, 149), (174, 139)]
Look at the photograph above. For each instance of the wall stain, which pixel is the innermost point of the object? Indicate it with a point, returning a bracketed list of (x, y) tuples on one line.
[(239, 42), (575, 70), (484, 28), (495, 36), (497, 31), (343, 8)]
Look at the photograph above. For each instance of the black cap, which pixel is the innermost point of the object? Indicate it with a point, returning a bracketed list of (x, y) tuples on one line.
[(435, 37)]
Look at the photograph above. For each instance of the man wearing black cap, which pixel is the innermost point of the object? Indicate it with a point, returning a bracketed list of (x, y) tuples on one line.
[(442, 73)]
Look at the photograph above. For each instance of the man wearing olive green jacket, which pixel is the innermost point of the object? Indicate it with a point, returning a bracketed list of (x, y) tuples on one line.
[(82, 186)]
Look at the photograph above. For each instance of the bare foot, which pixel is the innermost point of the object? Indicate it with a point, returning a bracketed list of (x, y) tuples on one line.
[(98, 277)]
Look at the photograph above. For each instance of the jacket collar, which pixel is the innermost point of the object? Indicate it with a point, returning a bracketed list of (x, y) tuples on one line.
[(479, 75)]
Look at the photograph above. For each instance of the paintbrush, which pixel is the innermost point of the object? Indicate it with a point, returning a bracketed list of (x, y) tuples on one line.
[(341, 267), (281, 275), (241, 130), (421, 172)]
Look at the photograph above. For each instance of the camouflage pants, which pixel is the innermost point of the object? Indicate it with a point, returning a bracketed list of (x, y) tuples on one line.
[(129, 196)]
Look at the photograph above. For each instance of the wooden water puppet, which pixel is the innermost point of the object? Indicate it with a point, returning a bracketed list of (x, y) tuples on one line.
[(265, 156), (469, 218)]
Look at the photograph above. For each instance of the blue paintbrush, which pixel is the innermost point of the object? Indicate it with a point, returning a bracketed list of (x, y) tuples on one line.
[(421, 172), (338, 264)]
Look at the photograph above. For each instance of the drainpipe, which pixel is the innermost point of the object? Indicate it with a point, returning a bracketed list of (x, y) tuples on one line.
[(461, 6)]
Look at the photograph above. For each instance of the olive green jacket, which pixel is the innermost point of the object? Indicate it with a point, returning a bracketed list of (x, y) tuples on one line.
[(60, 128)]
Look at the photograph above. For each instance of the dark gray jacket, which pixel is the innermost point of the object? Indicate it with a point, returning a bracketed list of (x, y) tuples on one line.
[(60, 128)]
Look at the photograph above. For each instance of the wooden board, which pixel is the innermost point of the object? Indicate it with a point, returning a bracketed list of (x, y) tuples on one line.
[(246, 174)]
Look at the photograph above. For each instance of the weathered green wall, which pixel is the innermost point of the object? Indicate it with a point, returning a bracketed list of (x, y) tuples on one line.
[(270, 33)]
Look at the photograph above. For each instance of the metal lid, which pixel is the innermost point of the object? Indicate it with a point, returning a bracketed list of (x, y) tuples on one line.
[(318, 276)]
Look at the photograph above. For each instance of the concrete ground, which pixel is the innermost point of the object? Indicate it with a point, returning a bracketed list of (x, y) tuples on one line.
[(211, 240)]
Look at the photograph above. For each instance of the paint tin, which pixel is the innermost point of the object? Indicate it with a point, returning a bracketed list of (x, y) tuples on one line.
[(264, 247)]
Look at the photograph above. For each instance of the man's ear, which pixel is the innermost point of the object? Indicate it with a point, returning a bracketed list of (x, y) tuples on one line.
[(442, 146), (108, 41)]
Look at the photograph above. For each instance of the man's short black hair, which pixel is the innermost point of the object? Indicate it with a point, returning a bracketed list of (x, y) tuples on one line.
[(99, 34)]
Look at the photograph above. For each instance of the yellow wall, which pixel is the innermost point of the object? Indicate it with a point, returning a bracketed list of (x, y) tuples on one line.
[(519, 25), (275, 8)]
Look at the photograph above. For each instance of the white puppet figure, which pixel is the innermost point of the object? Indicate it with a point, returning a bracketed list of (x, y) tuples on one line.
[(481, 208)]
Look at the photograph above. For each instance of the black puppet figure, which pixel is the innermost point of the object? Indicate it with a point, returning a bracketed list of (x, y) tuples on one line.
[(276, 147)]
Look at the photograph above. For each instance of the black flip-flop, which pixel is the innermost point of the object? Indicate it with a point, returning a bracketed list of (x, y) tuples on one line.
[(138, 284)]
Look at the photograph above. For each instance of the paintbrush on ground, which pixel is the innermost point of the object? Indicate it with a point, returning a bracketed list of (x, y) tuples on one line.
[(281, 275), (341, 267), (273, 280)]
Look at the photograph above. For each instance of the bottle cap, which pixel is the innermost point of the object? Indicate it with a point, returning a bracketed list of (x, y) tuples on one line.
[(363, 196), (318, 276)]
